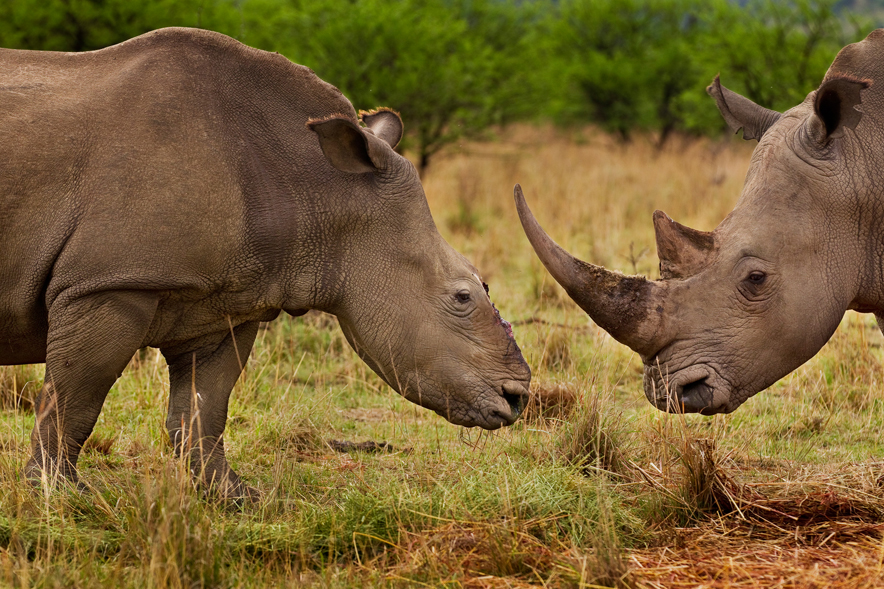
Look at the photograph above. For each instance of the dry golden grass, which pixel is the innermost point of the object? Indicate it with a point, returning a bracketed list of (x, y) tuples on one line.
[(19, 386), (595, 195)]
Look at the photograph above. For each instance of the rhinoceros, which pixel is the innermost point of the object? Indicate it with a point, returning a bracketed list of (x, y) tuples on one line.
[(178, 189), (740, 307)]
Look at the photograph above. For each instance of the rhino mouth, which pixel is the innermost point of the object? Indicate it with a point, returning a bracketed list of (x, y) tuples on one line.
[(696, 389), (499, 407)]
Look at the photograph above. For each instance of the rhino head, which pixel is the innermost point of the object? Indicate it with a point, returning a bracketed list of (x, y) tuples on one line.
[(740, 307), (414, 309)]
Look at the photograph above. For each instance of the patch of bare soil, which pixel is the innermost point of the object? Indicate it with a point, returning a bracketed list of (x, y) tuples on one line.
[(370, 415), (368, 447)]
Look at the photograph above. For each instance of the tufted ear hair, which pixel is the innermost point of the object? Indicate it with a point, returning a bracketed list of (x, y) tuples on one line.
[(836, 101), (741, 113), (384, 123), (348, 147), (682, 251)]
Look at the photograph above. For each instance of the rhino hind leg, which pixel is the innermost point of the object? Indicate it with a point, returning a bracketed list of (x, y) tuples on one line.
[(90, 342), (201, 377)]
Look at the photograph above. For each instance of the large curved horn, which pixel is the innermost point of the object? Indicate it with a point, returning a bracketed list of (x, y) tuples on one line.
[(630, 308)]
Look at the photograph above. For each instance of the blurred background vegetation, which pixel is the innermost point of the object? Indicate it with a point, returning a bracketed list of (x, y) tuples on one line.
[(458, 68)]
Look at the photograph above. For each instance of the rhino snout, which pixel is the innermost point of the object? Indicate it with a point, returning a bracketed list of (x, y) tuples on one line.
[(504, 408)]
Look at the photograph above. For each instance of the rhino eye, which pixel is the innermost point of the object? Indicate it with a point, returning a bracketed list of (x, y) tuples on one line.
[(463, 296), (757, 278)]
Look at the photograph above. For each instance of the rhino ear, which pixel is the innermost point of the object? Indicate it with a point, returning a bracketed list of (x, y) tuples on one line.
[(384, 123), (682, 251), (742, 113), (347, 146), (836, 101)]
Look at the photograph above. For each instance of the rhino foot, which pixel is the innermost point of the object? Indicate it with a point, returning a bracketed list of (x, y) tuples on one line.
[(220, 482), (54, 476), (237, 494)]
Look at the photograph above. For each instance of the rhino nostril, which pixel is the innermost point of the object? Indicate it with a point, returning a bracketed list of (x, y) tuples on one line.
[(516, 396), (693, 386), (696, 397)]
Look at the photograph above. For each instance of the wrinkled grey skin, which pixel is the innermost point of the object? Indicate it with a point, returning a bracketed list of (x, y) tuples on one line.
[(742, 306), (179, 188)]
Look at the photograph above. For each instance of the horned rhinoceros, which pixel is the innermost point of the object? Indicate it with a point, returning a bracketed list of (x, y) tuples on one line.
[(179, 188), (741, 306)]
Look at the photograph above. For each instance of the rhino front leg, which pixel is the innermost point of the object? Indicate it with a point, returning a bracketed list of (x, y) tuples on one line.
[(201, 379), (90, 341)]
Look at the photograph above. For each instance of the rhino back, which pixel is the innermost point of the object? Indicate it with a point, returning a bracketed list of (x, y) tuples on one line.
[(177, 161)]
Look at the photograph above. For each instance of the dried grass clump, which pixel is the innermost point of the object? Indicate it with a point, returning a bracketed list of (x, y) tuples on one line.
[(691, 476), (707, 487), (605, 566), (298, 439), (98, 443), (304, 437), (593, 442), (550, 401)]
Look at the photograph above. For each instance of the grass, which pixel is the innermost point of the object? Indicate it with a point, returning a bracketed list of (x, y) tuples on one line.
[(593, 488)]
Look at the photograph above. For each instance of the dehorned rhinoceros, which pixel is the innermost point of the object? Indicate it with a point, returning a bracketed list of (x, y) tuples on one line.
[(179, 188), (741, 306)]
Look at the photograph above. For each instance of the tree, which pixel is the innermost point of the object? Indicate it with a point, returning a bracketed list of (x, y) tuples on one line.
[(644, 64), (454, 68), (628, 61), (776, 52), (443, 65), (84, 25)]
